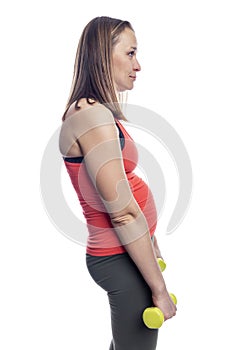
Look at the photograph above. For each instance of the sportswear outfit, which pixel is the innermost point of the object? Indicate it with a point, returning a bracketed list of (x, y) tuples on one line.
[(107, 260)]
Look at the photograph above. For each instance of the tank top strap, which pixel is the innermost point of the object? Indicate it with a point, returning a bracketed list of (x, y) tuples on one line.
[(123, 130)]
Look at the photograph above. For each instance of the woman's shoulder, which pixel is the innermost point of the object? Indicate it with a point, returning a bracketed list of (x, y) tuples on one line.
[(84, 106), (88, 119), (91, 114)]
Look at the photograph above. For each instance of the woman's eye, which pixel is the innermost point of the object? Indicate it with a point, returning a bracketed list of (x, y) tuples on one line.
[(131, 53)]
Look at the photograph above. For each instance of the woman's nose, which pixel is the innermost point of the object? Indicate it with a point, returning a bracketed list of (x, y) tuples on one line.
[(137, 66)]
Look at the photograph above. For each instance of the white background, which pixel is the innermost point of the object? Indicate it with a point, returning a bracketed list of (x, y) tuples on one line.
[(48, 300)]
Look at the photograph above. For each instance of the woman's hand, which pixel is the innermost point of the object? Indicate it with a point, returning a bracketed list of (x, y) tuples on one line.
[(165, 304)]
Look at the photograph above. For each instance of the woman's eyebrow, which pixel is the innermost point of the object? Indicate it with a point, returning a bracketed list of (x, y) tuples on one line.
[(134, 48)]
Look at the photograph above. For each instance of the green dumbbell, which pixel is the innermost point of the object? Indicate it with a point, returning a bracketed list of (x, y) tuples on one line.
[(153, 316), (162, 264)]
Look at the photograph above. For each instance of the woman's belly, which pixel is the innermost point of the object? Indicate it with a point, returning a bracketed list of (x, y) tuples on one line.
[(102, 235)]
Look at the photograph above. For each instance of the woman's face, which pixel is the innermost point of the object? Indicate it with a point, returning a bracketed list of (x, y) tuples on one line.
[(125, 63)]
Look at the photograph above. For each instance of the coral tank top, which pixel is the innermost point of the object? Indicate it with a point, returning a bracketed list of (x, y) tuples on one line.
[(102, 239)]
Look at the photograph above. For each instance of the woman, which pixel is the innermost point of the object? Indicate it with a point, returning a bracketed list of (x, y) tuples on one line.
[(100, 157)]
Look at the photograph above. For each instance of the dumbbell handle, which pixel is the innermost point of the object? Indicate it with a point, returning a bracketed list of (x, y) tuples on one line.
[(153, 317)]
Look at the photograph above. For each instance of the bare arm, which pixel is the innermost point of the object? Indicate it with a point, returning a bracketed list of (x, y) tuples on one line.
[(103, 158)]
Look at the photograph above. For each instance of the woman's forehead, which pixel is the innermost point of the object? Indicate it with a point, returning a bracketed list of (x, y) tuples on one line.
[(127, 39)]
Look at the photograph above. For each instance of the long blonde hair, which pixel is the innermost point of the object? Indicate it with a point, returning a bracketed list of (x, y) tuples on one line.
[(92, 78)]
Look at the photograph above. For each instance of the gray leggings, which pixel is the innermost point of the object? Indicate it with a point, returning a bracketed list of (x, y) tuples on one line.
[(128, 296)]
